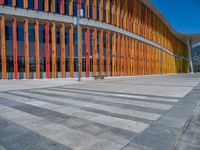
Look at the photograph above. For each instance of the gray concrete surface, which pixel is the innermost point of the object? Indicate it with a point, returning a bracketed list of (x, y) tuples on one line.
[(125, 113)]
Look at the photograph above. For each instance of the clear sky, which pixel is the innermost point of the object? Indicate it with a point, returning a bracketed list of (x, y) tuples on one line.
[(183, 15)]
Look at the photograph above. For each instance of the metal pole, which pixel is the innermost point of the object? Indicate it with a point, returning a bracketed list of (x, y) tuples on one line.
[(78, 35)]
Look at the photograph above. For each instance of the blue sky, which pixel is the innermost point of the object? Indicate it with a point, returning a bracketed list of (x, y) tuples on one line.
[(183, 15)]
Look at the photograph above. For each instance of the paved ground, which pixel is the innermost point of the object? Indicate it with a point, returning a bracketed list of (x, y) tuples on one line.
[(150, 113)]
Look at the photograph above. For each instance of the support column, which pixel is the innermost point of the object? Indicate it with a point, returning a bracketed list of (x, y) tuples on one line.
[(53, 47), (15, 51), (101, 61), (71, 51), (3, 48), (114, 54), (87, 38), (95, 52), (189, 45), (26, 49), (37, 50), (62, 50), (108, 54), (47, 51)]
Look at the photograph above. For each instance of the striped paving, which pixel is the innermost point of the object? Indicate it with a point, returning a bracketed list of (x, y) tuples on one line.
[(82, 119)]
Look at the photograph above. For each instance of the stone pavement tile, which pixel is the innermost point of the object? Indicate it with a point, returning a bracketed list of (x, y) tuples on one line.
[(187, 146), (15, 137), (192, 134), (173, 122), (114, 137), (74, 122), (104, 145), (93, 129), (157, 137)]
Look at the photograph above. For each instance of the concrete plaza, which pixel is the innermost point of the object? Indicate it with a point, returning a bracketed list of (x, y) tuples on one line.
[(158, 112)]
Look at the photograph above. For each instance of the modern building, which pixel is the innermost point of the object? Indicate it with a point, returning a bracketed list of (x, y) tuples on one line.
[(196, 58), (118, 38)]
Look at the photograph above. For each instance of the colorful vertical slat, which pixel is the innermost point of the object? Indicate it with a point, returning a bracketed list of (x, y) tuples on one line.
[(47, 50), (37, 50), (71, 51), (26, 49), (62, 48), (53, 48), (3, 47), (15, 51)]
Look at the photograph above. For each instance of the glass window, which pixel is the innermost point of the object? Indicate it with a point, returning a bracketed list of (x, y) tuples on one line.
[(9, 64), (8, 31), (19, 3), (57, 35), (83, 7), (31, 4), (57, 6), (40, 5), (41, 34), (75, 8), (75, 42), (21, 64), (58, 64), (66, 7), (31, 33), (8, 2), (20, 32), (90, 7)]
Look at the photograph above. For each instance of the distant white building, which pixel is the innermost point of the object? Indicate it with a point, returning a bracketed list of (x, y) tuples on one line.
[(196, 58)]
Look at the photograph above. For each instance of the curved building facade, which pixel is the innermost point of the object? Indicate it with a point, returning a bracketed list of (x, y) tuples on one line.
[(118, 38)]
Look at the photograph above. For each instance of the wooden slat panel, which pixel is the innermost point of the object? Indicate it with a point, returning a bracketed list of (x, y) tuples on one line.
[(70, 7), (62, 49), (35, 4), (87, 39), (118, 54), (25, 4), (14, 3), (47, 50), (114, 54), (46, 5), (71, 51), (94, 9), (94, 36), (26, 49), (62, 7), (53, 48), (3, 47), (108, 54), (53, 6), (15, 51), (101, 61), (37, 51)]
